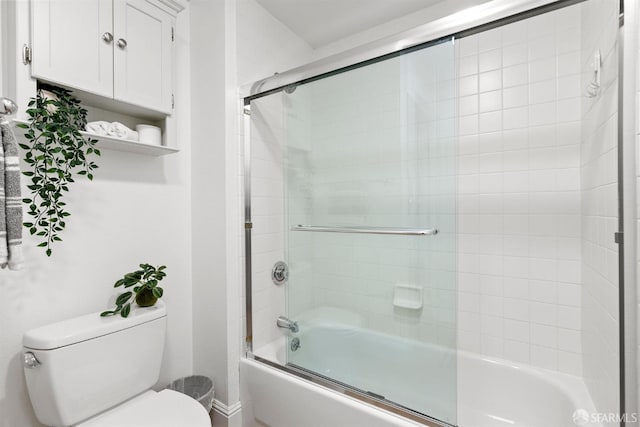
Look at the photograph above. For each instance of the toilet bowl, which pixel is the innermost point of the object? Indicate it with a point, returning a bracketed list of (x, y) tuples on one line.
[(94, 371)]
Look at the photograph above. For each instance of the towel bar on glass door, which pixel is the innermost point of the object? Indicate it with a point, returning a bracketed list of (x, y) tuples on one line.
[(368, 230)]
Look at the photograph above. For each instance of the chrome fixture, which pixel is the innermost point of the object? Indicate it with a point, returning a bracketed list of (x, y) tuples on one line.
[(285, 323), (295, 344), (280, 273), (368, 230), (121, 43), (30, 361), (7, 108), (107, 37)]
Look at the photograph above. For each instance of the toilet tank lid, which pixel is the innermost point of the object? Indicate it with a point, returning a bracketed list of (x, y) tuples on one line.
[(89, 326)]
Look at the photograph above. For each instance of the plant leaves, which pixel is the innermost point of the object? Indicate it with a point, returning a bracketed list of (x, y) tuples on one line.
[(125, 310), (55, 152)]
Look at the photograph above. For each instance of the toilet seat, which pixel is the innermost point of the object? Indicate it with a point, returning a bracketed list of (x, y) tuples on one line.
[(167, 408)]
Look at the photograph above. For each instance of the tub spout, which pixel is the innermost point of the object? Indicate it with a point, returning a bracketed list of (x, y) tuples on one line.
[(285, 323)]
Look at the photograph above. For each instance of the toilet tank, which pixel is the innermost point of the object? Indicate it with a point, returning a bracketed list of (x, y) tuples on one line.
[(90, 363)]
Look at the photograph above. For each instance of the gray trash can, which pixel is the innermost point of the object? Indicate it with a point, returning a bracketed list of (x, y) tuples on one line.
[(198, 387)]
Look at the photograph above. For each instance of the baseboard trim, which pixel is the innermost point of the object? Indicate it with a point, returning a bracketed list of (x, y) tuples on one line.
[(226, 410)]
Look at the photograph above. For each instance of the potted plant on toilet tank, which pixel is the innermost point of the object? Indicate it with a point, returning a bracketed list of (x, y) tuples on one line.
[(145, 289)]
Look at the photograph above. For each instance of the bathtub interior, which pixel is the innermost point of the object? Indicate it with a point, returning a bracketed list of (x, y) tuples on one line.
[(491, 392)]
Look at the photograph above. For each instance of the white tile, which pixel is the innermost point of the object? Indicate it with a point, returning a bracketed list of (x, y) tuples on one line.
[(515, 118), (569, 340), (491, 39), (516, 330), (544, 91), (542, 136), (542, 291), (542, 69), (468, 46), (570, 363), (468, 125), (516, 160), (490, 122), (514, 54), (569, 271), (515, 32), (544, 335), (490, 142), (490, 101), (569, 110), (468, 105), (490, 183), (514, 139), (544, 357), (468, 85), (517, 288), (491, 80), (569, 317), (516, 309), (490, 60), (491, 325), (569, 63), (543, 313), (516, 246), (542, 47), (542, 114), (468, 65), (516, 225), (515, 75), (515, 96), (515, 267), (516, 351), (569, 86)]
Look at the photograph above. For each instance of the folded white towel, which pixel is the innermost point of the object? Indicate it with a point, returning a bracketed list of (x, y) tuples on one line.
[(99, 128), (119, 130)]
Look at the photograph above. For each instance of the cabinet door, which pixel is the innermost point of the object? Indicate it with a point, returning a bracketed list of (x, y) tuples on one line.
[(68, 44), (142, 54)]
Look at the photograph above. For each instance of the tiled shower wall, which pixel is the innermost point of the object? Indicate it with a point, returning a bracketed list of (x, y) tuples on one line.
[(519, 192), (600, 207)]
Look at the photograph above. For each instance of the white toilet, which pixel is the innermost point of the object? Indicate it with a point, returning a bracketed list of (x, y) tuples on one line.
[(95, 371)]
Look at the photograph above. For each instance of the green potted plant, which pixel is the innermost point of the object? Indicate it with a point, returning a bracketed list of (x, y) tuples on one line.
[(145, 289)]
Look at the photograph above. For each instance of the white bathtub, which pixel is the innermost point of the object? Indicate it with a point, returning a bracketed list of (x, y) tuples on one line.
[(490, 392)]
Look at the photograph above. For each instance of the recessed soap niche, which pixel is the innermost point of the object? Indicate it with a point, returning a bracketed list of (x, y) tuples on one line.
[(407, 296)]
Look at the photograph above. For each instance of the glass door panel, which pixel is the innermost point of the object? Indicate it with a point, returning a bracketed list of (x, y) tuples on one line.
[(369, 173)]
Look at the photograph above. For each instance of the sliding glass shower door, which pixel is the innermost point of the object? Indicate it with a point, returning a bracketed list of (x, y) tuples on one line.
[(369, 194)]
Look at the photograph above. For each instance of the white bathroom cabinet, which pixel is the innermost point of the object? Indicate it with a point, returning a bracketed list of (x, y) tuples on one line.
[(117, 49)]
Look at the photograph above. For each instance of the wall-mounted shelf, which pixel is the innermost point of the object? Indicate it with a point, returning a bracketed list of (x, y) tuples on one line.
[(119, 144)]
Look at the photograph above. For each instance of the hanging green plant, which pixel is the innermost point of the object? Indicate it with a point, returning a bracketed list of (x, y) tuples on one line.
[(56, 151)]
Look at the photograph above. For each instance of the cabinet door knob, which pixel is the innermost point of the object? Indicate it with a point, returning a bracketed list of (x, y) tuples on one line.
[(121, 43), (107, 37)]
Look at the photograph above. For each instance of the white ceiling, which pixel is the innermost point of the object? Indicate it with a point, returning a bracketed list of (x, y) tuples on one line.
[(320, 22)]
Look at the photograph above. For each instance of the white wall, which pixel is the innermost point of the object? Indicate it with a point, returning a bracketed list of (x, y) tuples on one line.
[(136, 210), (600, 208)]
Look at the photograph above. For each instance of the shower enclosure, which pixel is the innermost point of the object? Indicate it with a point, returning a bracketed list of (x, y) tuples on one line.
[(366, 170), (416, 220)]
